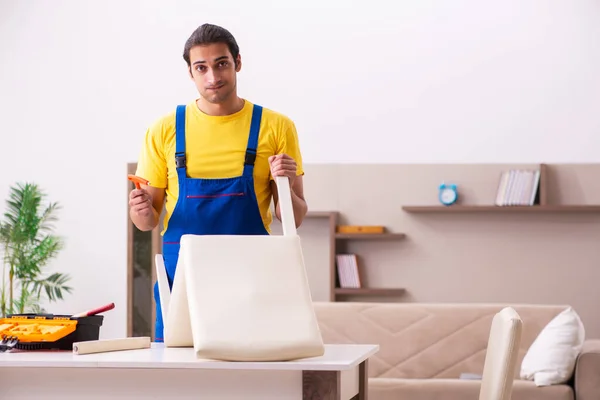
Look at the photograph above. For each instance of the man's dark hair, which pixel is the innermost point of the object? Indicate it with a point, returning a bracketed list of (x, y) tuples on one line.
[(208, 34)]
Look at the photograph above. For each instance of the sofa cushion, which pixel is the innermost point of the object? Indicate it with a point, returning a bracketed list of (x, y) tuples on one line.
[(457, 389), (551, 358)]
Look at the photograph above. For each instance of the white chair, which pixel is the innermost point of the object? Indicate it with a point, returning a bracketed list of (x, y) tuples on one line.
[(242, 297), (501, 356)]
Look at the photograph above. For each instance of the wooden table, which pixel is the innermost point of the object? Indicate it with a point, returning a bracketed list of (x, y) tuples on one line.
[(175, 373)]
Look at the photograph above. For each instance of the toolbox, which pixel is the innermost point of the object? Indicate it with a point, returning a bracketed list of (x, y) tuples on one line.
[(47, 331)]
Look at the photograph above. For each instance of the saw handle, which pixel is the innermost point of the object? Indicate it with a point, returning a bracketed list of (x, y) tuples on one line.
[(137, 180), (95, 311)]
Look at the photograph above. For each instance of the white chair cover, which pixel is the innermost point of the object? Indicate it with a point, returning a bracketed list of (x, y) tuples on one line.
[(242, 298)]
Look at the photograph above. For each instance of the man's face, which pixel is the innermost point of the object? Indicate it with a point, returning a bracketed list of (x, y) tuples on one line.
[(214, 71)]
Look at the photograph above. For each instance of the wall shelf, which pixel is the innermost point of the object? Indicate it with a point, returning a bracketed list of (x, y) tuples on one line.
[(321, 214), (370, 291), (503, 209), (542, 204), (370, 236), (337, 242)]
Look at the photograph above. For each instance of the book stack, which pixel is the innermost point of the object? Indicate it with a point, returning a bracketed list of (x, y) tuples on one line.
[(518, 187), (347, 269)]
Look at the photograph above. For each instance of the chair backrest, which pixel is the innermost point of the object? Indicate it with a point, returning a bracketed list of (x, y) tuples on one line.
[(501, 356), (288, 222)]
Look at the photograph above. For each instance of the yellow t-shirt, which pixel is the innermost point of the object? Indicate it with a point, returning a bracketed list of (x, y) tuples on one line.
[(216, 148)]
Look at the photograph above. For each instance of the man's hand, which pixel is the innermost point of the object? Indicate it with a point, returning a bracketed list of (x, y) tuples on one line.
[(140, 203), (283, 165), (142, 210)]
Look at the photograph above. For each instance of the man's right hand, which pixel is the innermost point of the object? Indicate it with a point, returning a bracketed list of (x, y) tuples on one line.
[(141, 209), (140, 203)]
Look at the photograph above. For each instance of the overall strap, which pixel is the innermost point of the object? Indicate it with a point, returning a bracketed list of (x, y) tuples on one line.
[(180, 160), (252, 141)]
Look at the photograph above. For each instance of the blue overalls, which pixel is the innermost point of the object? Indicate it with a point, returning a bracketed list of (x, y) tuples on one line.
[(210, 206)]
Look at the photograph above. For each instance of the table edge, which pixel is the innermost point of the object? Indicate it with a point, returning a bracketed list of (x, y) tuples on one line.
[(202, 365)]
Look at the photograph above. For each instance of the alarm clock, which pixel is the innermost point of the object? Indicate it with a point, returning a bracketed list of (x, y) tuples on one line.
[(448, 194)]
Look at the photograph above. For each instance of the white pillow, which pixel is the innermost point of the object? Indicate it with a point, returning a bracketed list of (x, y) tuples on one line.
[(551, 358)]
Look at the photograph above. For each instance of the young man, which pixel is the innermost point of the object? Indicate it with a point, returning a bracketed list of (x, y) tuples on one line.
[(214, 159)]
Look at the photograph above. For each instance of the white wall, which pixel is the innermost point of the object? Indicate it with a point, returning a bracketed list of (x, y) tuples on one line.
[(433, 81)]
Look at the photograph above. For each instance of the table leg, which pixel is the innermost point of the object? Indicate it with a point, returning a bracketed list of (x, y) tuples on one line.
[(321, 385), (335, 385), (363, 380)]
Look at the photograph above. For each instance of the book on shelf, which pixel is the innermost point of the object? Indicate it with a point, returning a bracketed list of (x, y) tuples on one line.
[(347, 269), (518, 187)]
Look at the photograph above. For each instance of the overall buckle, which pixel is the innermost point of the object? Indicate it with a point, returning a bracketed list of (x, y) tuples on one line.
[(180, 160), (250, 158)]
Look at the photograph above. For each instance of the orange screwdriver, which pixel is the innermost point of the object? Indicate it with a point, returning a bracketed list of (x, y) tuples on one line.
[(137, 180)]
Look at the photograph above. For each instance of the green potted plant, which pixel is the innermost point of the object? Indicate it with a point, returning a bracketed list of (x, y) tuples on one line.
[(28, 243)]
